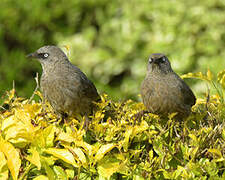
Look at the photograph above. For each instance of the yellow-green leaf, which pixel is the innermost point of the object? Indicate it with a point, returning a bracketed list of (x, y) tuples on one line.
[(62, 136), (139, 129), (209, 75), (10, 94), (103, 150), (60, 173), (89, 148), (194, 138), (223, 134), (41, 177), (34, 158), (32, 109), (198, 75), (18, 129), (79, 154), (107, 166), (127, 135), (63, 154), (49, 134), (150, 153), (221, 78), (216, 152), (3, 171), (70, 173), (12, 156)]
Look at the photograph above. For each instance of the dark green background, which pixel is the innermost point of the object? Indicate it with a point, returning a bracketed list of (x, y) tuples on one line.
[(111, 40)]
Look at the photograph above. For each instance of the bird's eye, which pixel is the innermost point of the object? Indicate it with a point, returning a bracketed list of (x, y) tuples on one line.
[(150, 60), (163, 59), (43, 55)]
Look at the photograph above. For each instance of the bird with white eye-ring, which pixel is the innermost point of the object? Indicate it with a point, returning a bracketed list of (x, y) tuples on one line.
[(163, 92), (65, 86), (46, 55)]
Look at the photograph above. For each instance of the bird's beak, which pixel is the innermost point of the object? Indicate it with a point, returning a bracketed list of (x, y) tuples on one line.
[(32, 55), (155, 61)]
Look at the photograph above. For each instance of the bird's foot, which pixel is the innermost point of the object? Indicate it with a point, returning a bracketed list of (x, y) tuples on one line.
[(86, 123)]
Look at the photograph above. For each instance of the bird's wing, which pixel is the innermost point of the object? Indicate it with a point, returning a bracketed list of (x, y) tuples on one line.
[(146, 91), (189, 97), (88, 89), (82, 85)]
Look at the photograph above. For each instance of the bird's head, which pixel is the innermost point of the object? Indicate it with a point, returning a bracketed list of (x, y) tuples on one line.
[(159, 63), (48, 54)]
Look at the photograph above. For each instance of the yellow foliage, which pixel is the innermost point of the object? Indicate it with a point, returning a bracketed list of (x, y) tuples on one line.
[(12, 156), (3, 163), (151, 148)]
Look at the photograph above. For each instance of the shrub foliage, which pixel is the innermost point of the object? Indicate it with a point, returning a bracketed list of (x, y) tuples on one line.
[(35, 144)]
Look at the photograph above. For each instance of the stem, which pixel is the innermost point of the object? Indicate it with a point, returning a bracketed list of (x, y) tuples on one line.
[(26, 172)]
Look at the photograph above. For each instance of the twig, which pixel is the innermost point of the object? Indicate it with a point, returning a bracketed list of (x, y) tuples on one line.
[(175, 130), (207, 99), (13, 84), (37, 86)]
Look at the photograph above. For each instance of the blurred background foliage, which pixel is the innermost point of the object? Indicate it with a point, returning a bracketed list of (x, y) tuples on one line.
[(111, 40)]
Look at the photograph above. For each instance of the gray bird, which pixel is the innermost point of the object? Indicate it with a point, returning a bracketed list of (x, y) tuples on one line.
[(64, 85), (163, 91)]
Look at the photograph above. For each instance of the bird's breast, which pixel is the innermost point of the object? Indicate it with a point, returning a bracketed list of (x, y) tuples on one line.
[(161, 94)]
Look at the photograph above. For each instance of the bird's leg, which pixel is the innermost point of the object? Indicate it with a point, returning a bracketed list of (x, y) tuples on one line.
[(61, 117), (64, 117), (137, 116), (86, 122), (43, 105)]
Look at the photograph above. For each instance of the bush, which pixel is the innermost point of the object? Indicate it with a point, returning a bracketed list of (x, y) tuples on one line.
[(34, 144)]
